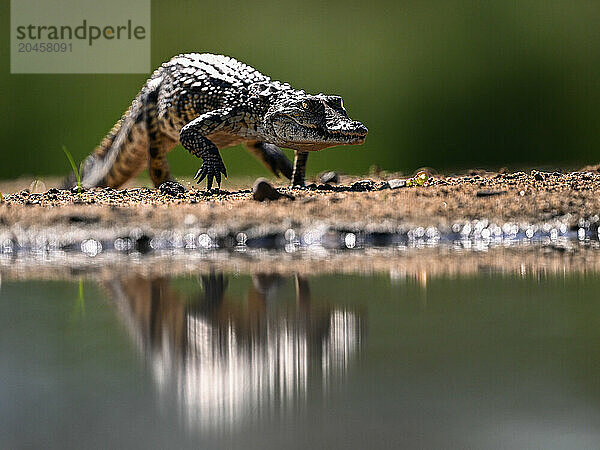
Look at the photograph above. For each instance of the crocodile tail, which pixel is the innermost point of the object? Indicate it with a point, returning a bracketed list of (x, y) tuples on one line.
[(94, 161), (105, 166)]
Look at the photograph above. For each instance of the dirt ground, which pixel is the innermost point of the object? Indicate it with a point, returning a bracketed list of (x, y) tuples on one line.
[(357, 203)]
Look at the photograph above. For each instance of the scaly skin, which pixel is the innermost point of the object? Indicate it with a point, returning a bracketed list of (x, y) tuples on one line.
[(209, 102)]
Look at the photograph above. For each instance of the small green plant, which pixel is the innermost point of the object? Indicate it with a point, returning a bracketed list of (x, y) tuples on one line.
[(81, 298), (79, 307), (74, 167), (1, 197)]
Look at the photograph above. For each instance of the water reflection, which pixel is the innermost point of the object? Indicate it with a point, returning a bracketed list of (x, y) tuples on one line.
[(230, 361)]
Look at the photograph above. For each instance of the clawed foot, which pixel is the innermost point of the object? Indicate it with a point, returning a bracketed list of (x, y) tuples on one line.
[(211, 168)]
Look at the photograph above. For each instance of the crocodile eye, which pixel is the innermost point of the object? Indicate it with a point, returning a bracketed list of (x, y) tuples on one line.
[(305, 105)]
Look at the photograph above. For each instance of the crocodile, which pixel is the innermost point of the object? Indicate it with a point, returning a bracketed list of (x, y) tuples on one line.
[(208, 102)]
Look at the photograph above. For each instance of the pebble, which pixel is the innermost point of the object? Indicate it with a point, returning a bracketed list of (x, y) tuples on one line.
[(172, 188), (396, 183), (539, 176), (362, 185), (330, 177), (263, 190), (37, 186)]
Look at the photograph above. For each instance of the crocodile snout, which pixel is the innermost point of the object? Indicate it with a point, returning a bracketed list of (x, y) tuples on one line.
[(360, 129)]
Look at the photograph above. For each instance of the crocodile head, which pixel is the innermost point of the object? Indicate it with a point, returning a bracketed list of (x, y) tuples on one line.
[(311, 122)]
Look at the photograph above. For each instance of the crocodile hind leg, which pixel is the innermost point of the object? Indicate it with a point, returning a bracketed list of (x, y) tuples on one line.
[(272, 157), (158, 166), (159, 144), (129, 150), (299, 168)]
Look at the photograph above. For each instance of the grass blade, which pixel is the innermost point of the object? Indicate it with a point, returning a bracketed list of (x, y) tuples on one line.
[(74, 167)]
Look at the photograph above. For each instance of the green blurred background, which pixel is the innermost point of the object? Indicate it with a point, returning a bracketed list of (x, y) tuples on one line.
[(447, 84)]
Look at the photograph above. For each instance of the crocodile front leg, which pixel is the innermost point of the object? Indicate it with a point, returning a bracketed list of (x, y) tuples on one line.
[(193, 138)]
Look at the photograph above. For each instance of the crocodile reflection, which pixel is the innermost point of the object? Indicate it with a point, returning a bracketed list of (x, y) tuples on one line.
[(228, 361)]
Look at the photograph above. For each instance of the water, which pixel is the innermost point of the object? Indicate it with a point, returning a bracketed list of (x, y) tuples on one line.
[(219, 360)]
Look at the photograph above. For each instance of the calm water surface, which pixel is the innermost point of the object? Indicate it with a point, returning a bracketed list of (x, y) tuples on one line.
[(331, 361)]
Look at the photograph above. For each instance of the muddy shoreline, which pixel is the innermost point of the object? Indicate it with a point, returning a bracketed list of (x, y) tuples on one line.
[(446, 204)]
